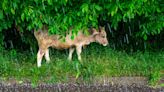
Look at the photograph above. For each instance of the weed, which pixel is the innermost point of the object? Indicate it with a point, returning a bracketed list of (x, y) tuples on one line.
[(97, 61)]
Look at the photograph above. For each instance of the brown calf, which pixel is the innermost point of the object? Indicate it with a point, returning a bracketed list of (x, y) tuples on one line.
[(45, 41)]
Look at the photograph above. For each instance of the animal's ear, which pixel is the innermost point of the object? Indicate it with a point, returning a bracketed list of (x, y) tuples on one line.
[(95, 32), (90, 30), (101, 28)]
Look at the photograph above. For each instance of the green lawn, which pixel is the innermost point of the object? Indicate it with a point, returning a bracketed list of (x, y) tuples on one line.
[(97, 61)]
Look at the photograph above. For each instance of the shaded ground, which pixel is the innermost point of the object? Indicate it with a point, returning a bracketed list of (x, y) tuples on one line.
[(103, 81), (77, 88), (114, 84), (122, 80)]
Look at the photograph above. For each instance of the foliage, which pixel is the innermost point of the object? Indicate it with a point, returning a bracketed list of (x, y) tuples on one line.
[(60, 15)]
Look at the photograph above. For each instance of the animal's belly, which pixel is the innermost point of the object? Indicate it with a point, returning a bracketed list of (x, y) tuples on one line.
[(62, 46)]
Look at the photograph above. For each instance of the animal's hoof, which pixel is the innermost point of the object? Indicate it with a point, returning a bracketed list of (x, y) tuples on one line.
[(39, 66)]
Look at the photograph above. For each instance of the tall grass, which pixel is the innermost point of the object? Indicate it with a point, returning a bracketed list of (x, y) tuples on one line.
[(97, 61)]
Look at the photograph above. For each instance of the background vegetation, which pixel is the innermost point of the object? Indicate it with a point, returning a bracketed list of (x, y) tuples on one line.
[(128, 23), (132, 25)]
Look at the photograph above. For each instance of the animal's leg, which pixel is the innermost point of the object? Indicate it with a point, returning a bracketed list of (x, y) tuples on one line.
[(71, 50), (78, 51), (39, 57), (47, 55)]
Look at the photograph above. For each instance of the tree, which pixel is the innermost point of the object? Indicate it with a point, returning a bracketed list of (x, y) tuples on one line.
[(60, 15)]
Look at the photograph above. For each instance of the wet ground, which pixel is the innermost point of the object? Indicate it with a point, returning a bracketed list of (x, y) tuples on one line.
[(77, 88), (113, 84)]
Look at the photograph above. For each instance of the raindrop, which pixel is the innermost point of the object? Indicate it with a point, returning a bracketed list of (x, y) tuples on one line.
[(15, 31), (7, 16), (5, 44), (110, 30), (109, 27), (139, 24), (130, 32), (136, 43), (63, 10), (121, 42), (32, 51), (124, 39), (129, 19), (11, 44), (114, 46), (127, 39), (21, 34), (145, 46)]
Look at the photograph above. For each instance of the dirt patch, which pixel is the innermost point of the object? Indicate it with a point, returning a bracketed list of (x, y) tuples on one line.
[(113, 84), (102, 80), (77, 88), (122, 80)]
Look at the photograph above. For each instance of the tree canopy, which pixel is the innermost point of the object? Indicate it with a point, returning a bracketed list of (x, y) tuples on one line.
[(60, 15)]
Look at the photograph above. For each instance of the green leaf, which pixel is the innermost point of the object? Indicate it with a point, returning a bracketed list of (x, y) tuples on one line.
[(145, 37), (98, 7), (0, 29), (85, 8), (78, 74), (112, 13), (94, 24), (90, 17), (29, 27), (70, 20), (158, 31), (40, 24), (114, 10), (36, 1), (12, 11), (15, 5), (1, 14), (22, 17), (49, 2), (78, 14), (4, 5), (65, 19)]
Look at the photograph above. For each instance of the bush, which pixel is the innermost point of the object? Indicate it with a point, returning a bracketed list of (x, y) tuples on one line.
[(145, 16)]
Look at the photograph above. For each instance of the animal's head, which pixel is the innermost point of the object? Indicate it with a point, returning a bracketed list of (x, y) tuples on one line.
[(100, 36)]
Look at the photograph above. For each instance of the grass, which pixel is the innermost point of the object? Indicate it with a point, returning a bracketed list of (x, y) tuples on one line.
[(97, 61)]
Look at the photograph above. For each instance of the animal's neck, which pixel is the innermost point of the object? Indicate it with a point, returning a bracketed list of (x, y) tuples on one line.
[(91, 39)]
